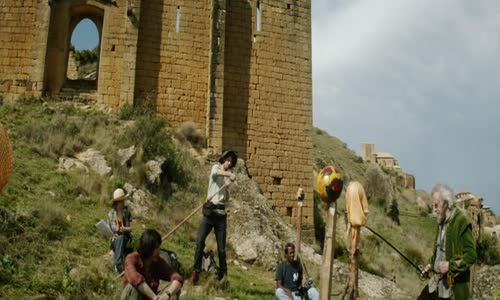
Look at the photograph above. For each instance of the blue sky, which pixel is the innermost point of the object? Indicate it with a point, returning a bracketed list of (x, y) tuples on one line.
[(418, 78), (85, 35)]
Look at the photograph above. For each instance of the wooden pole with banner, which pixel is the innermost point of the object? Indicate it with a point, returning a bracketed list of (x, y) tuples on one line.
[(329, 187), (328, 251)]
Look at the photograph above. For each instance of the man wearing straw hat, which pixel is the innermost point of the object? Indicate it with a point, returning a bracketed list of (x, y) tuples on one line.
[(119, 219), (214, 214)]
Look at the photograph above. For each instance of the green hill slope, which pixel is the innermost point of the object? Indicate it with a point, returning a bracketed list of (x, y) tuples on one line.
[(48, 242)]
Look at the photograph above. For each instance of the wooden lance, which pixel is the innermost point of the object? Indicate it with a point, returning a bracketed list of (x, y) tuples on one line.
[(328, 251)]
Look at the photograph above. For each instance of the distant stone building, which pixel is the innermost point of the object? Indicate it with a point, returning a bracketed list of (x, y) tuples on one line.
[(480, 215), (368, 152), (240, 70), (387, 160)]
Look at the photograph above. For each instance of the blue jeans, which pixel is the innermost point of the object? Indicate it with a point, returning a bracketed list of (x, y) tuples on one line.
[(219, 224), (312, 294), (119, 247)]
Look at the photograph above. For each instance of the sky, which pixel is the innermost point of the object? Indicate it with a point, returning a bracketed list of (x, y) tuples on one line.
[(85, 35), (418, 78)]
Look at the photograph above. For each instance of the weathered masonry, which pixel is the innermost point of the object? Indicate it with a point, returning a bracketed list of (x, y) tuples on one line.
[(239, 69)]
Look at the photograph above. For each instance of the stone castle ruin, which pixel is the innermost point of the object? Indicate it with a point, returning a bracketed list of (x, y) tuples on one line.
[(480, 214), (240, 70)]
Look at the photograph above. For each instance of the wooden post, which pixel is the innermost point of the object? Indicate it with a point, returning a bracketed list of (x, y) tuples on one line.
[(351, 290), (299, 229), (300, 204), (329, 249)]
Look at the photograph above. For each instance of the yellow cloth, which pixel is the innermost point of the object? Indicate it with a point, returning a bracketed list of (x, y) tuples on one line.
[(356, 204)]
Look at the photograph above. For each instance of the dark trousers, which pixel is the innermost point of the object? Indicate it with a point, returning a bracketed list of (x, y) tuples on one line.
[(219, 224), (425, 295)]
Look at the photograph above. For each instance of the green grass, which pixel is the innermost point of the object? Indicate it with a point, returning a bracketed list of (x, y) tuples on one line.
[(49, 244)]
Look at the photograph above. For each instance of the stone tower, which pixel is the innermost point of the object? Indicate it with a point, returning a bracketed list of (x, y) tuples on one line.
[(239, 69), (368, 152)]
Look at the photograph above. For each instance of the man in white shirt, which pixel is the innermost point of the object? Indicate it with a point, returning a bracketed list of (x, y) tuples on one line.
[(214, 214)]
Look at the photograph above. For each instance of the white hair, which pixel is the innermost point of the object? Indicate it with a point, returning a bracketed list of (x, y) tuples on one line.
[(445, 193)]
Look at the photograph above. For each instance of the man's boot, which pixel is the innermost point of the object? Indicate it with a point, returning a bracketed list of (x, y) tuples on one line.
[(193, 279)]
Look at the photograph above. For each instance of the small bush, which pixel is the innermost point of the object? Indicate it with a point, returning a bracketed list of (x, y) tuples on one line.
[(377, 186), (150, 132), (126, 112), (488, 251), (8, 269), (53, 223)]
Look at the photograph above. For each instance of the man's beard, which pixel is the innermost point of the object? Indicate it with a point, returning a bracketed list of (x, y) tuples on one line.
[(440, 217)]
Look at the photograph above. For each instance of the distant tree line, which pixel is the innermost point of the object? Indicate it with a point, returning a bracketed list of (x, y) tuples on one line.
[(84, 57)]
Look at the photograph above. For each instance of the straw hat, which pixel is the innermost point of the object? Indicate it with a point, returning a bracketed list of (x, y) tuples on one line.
[(5, 158), (119, 195)]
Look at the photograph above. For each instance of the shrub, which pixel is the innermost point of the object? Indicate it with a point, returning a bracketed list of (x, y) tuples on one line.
[(8, 268), (377, 185), (53, 222), (126, 112), (488, 251), (150, 135), (187, 133)]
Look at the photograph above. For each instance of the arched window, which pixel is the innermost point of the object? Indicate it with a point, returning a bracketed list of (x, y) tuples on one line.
[(83, 56)]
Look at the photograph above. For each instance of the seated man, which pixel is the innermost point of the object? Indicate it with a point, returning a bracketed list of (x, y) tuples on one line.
[(289, 278), (144, 269)]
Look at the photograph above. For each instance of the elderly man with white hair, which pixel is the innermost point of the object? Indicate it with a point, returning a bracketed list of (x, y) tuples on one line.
[(455, 250)]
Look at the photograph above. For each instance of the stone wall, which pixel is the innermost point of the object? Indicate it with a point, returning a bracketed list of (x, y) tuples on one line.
[(72, 71), (17, 20), (172, 67), (268, 99)]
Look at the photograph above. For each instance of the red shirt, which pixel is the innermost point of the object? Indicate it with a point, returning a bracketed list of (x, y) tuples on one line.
[(135, 273)]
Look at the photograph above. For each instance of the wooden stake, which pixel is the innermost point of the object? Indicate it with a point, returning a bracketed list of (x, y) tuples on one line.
[(351, 289), (329, 249)]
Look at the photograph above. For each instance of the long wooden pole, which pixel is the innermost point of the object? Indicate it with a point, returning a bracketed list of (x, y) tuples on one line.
[(192, 213), (329, 248), (186, 218), (300, 203)]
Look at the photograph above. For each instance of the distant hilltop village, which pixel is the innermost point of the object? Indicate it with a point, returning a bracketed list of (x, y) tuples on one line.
[(482, 216), (385, 159)]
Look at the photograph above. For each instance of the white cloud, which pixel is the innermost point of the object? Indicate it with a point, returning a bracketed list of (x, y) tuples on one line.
[(419, 78)]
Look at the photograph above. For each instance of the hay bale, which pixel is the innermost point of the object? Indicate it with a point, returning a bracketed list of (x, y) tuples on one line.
[(5, 158)]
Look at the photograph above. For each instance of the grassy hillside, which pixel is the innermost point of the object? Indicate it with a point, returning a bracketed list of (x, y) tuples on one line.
[(48, 241)]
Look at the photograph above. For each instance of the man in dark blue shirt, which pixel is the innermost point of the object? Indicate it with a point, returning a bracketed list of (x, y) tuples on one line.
[(289, 278)]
